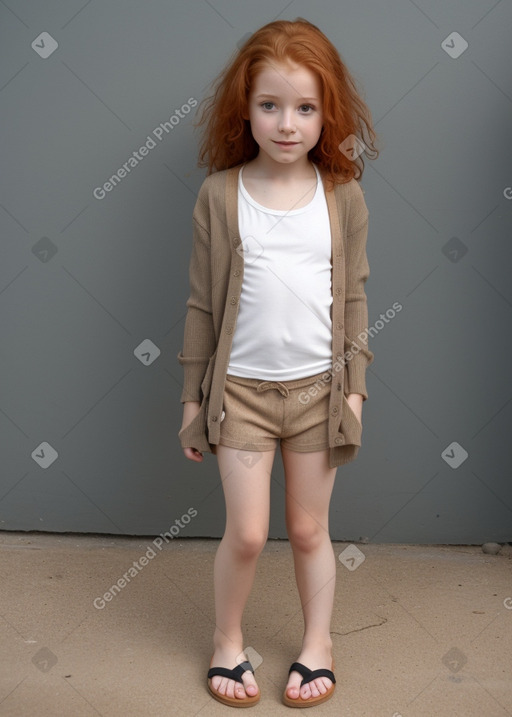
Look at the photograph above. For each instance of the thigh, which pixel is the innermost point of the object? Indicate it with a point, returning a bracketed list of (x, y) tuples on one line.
[(245, 479), (250, 419), (309, 485), (306, 419)]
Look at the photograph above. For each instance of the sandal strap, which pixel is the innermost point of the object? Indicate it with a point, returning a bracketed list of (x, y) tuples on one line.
[(309, 675), (235, 674)]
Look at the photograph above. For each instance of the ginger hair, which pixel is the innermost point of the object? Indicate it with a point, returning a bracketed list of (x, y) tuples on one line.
[(227, 139)]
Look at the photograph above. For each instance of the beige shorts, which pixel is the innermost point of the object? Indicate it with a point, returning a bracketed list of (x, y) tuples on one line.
[(258, 414)]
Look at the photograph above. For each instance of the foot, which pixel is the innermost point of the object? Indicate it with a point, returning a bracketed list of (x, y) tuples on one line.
[(315, 658), (230, 658)]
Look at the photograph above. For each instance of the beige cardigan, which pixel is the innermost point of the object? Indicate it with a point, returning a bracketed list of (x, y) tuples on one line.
[(216, 274)]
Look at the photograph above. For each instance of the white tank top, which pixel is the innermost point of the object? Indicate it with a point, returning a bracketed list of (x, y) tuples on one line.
[(283, 330)]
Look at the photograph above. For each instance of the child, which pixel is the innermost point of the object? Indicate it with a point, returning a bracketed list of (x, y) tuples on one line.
[(275, 345)]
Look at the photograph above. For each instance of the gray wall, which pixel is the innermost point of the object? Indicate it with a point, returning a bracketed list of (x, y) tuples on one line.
[(93, 290)]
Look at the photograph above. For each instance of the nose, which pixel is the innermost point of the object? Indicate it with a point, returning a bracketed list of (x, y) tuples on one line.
[(286, 123)]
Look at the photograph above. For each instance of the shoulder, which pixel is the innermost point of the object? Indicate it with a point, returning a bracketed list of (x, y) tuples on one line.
[(351, 203), (215, 183), (212, 193), (216, 196), (351, 190)]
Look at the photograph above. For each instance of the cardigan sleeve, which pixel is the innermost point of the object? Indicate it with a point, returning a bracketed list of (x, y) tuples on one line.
[(357, 271), (199, 336)]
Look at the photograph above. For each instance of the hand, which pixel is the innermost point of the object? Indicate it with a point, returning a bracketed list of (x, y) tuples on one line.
[(190, 411), (193, 454), (355, 401)]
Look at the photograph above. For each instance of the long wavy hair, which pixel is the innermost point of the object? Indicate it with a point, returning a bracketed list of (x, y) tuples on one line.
[(227, 139)]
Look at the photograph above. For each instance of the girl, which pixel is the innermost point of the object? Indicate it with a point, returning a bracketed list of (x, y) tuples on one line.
[(275, 345)]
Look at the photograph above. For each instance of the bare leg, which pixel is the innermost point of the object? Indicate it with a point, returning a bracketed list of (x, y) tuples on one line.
[(309, 484), (246, 487)]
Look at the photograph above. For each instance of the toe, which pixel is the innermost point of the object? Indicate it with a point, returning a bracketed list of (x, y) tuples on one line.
[(239, 691), (315, 688), (216, 683), (230, 688), (293, 686), (226, 687), (322, 685), (307, 691), (251, 688), (327, 684)]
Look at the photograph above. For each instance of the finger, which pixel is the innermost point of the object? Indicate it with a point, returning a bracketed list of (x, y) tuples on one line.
[(193, 454)]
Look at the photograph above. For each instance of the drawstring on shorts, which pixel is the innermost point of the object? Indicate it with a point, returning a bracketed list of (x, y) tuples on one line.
[(266, 385)]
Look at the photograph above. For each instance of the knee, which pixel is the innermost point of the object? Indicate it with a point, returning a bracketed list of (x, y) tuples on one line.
[(249, 543), (306, 534)]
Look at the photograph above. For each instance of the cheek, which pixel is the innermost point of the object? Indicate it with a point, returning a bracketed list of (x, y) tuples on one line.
[(316, 128), (261, 124)]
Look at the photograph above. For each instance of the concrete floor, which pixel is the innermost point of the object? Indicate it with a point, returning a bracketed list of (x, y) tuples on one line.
[(417, 630)]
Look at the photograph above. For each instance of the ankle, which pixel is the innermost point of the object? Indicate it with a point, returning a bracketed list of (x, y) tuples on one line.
[(228, 643), (315, 644)]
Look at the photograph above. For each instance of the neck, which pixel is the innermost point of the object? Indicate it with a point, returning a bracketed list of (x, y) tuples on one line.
[(266, 168)]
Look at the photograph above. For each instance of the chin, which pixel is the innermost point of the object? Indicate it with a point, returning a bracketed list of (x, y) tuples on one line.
[(285, 160)]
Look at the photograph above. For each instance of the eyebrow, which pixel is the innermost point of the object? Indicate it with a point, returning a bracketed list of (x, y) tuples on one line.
[(300, 99)]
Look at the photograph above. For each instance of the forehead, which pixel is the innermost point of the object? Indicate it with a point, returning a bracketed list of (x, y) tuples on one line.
[(286, 80)]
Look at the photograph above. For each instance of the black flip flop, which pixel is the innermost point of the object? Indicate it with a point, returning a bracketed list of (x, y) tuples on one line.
[(309, 675), (236, 675)]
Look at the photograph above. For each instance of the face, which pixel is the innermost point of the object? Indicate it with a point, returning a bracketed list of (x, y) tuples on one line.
[(285, 112)]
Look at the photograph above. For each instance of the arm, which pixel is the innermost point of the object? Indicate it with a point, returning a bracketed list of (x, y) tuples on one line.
[(357, 272), (355, 401), (190, 411), (199, 337)]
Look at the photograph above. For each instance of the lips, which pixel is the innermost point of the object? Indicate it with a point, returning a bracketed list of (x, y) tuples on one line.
[(286, 144)]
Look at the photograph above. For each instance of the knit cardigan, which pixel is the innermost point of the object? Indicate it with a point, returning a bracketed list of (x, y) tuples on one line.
[(216, 274)]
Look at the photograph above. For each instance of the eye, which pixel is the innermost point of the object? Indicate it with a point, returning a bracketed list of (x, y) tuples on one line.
[(267, 105), (306, 108)]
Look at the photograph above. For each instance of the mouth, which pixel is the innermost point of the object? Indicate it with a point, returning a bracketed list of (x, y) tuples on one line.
[(285, 144)]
